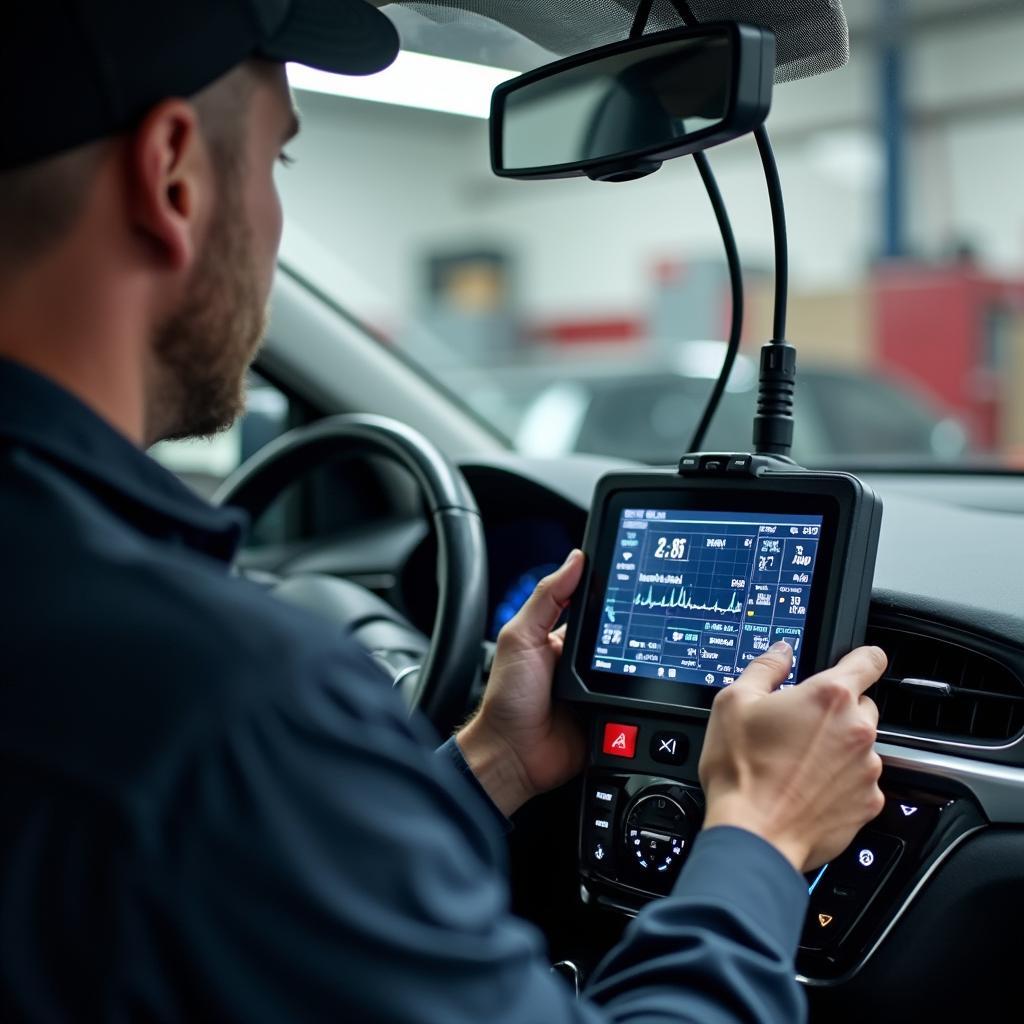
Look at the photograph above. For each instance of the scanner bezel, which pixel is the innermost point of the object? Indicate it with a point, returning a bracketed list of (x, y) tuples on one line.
[(840, 592)]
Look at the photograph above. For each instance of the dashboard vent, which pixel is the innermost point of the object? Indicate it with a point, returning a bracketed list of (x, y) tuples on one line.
[(938, 689)]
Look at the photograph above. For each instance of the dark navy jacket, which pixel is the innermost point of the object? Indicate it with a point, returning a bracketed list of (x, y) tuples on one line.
[(211, 809)]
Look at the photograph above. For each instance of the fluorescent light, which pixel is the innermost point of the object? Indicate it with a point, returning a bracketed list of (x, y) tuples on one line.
[(414, 80)]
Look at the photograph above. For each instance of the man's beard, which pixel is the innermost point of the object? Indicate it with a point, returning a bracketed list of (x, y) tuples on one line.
[(204, 350)]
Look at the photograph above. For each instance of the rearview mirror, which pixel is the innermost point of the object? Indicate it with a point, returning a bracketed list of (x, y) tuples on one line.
[(615, 113)]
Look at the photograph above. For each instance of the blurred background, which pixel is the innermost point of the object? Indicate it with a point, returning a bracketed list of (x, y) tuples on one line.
[(581, 316)]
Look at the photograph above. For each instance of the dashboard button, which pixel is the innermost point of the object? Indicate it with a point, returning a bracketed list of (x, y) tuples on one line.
[(910, 818), (657, 837), (620, 740), (826, 923), (603, 797), (864, 864), (669, 747), (599, 851)]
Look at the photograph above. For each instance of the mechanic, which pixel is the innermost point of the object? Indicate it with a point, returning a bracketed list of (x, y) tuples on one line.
[(213, 806)]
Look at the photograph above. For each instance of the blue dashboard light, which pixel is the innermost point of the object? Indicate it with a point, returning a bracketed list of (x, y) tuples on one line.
[(517, 594), (817, 879)]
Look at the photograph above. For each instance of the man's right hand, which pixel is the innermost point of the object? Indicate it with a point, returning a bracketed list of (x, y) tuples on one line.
[(797, 766)]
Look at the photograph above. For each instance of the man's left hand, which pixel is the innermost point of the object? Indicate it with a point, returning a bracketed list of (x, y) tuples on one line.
[(520, 743)]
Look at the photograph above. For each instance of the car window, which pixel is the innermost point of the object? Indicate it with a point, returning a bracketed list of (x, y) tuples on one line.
[(906, 231), (645, 419), (205, 463)]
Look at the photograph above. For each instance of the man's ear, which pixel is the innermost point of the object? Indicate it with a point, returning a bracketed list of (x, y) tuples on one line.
[(170, 175)]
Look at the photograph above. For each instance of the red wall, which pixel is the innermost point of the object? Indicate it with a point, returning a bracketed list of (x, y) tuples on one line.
[(931, 327)]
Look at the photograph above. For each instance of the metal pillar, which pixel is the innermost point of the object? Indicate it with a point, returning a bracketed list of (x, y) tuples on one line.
[(893, 126)]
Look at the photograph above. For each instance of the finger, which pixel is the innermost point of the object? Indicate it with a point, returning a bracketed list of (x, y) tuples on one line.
[(535, 620), (768, 671), (869, 709), (859, 670), (559, 634)]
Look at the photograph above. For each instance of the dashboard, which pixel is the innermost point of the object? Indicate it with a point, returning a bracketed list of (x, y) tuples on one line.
[(520, 554), (529, 530)]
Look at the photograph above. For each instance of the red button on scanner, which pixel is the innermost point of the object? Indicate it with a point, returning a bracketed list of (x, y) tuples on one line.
[(620, 740)]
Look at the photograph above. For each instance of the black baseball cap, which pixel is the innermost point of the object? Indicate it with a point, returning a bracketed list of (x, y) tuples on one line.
[(73, 71)]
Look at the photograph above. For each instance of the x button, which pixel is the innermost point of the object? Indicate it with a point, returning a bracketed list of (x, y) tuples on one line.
[(669, 747)]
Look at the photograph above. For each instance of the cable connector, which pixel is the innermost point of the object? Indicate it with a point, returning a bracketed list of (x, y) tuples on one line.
[(773, 424)]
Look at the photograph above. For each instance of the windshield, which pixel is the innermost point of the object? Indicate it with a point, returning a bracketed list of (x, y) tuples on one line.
[(577, 316)]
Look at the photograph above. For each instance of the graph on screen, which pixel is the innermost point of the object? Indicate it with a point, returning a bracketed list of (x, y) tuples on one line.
[(685, 601)]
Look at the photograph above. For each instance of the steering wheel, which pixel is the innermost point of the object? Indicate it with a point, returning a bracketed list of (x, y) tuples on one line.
[(440, 687)]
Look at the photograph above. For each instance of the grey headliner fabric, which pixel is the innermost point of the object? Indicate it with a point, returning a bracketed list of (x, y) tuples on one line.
[(812, 35)]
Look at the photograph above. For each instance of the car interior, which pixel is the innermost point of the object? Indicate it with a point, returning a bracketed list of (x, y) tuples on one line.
[(489, 343)]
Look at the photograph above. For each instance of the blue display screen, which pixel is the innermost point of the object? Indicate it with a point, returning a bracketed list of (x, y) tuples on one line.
[(692, 597)]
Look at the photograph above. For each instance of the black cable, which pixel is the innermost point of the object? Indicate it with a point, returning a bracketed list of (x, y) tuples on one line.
[(732, 256), (773, 422), (736, 282), (771, 177), (643, 12), (682, 8)]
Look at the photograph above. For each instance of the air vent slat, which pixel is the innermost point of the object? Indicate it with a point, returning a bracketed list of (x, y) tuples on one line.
[(985, 698)]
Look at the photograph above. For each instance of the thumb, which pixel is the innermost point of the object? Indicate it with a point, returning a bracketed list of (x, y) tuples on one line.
[(768, 671), (535, 620)]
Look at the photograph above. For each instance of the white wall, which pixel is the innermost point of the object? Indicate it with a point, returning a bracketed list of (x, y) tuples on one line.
[(967, 168), (372, 184)]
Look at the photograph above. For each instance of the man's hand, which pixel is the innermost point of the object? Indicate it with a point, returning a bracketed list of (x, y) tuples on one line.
[(798, 766), (519, 743)]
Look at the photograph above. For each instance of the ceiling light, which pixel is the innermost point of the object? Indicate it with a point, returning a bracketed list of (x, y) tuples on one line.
[(414, 80)]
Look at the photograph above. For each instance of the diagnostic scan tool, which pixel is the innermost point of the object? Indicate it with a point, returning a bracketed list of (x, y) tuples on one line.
[(689, 577)]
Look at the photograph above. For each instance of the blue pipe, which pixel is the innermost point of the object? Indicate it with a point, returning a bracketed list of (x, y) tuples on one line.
[(893, 128)]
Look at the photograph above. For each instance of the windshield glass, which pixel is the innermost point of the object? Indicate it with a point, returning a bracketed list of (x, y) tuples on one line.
[(577, 316)]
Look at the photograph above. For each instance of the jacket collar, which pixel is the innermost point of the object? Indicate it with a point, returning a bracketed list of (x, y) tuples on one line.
[(38, 414)]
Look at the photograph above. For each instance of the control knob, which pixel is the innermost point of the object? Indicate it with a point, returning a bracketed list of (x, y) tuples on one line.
[(658, 835)]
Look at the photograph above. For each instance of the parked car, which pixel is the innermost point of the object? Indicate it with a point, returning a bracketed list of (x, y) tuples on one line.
[(649, 413)]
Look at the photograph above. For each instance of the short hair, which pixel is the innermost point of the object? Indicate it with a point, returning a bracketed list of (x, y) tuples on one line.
[(222, 107), (40, 202)]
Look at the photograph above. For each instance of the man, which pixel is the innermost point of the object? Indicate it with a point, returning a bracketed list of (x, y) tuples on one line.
[(212, 809)]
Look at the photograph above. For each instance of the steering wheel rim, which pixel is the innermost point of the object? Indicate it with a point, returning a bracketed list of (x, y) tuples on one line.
[(450, 667)]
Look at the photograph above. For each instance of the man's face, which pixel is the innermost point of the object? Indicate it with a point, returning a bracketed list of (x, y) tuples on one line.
[(207, 345)]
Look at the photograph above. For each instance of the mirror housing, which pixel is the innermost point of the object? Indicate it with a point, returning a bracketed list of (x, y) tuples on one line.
[(617, 112)]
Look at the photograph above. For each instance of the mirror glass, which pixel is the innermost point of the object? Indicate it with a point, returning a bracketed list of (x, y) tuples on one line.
[(638, 100)]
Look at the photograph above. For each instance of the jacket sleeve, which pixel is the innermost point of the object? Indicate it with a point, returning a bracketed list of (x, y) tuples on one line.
[(720, 948), (317, 861), (451, 753)]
